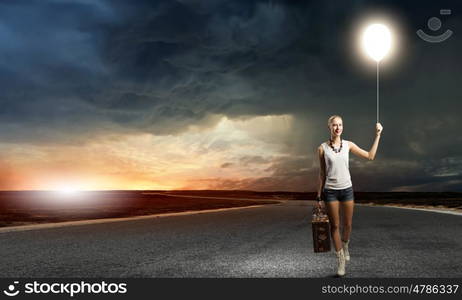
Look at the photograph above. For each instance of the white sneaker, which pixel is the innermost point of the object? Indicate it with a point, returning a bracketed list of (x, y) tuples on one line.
[(340, 262), (345, 250)]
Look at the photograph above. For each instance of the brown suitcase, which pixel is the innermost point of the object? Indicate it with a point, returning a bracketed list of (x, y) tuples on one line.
[(321, 230)]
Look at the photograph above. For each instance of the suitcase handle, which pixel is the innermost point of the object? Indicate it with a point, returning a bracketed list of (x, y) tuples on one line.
[(319, 213)]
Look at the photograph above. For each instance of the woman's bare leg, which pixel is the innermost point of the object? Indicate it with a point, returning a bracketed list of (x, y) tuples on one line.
[(347, 217), (334, 219)]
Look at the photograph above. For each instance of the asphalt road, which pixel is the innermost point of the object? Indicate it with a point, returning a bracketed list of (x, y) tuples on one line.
[(268, 241)]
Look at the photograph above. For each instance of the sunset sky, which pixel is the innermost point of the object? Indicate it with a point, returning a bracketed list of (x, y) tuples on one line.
[(214, 94)]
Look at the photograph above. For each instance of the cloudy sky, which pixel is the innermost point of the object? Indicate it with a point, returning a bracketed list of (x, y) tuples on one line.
[(214, 94)]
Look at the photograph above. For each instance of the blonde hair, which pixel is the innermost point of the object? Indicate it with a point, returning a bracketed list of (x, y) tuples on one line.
[(331, 119)]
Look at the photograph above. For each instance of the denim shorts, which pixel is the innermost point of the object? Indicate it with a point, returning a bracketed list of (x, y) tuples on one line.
[(339, 195)]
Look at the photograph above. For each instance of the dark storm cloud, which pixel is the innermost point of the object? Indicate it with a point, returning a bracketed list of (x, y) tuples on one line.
[(49, 53), (72, 69)]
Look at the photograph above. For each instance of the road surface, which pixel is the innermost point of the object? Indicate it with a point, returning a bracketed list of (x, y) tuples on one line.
[(266, 241)]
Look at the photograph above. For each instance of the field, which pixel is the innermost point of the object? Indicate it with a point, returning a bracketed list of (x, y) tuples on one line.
[(442, 200), (33, 207), (24, 208)]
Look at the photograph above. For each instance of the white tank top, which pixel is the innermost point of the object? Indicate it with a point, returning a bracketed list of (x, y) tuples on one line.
[(337, 171)]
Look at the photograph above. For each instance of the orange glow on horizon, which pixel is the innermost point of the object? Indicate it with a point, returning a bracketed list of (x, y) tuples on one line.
[(199, 158)]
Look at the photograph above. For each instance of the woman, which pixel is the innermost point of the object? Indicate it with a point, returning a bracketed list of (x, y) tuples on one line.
[(336, 187)]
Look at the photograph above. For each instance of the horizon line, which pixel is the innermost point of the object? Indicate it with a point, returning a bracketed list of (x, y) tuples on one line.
[(223, 190)]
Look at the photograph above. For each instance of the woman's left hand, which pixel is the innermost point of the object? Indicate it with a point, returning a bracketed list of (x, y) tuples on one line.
[(378, 128)]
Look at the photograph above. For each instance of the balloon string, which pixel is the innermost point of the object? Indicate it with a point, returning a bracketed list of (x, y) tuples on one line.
[(377, 92)]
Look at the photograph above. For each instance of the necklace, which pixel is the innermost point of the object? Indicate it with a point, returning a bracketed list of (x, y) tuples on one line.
[(332, 146)]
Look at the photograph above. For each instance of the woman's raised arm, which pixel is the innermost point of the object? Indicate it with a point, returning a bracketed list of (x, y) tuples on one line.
[(363, 153)]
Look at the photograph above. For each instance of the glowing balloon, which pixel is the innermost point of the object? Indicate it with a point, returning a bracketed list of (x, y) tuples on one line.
[(377, 41)]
